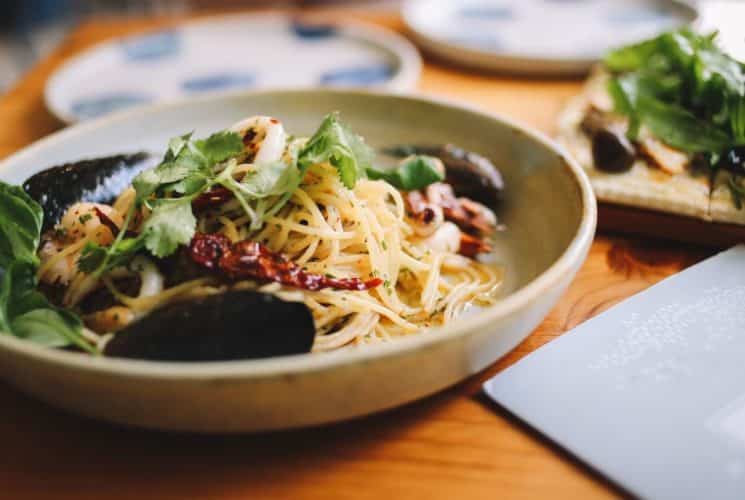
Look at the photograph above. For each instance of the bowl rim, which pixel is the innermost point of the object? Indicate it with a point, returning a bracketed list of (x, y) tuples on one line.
[(407, 58), (302, 363)]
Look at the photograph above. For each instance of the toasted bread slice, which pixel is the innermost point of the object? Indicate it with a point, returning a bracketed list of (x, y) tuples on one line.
[(721, 206), (644, 185)]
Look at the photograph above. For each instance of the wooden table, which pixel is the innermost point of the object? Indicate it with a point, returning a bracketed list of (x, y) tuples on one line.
[(453, 445)]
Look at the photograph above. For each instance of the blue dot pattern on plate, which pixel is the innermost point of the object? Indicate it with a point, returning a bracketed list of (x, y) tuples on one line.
[(218, 81), (640, 14), (153, 47), (479, 40), (486, 12), (92, 107), (360, 75), (562, 29), (312, 31)]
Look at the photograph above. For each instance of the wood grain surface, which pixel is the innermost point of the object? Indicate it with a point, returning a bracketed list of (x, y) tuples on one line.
[(451, 446)]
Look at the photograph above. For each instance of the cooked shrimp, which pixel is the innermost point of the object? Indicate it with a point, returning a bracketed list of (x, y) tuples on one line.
[(264, 138), (81, 221), (78, 226)]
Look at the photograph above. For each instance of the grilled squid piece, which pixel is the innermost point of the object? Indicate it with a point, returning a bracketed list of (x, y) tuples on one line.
[(469, 222), (445, 239), (115, 318), (264, 139), (426, 217)]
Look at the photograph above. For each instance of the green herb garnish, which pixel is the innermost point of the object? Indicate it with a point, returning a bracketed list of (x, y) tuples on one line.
[(24, 312), (415, 172), (334, 142), (685, 90)]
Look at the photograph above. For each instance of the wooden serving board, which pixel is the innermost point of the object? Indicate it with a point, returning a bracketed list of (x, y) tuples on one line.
[(660, 225)]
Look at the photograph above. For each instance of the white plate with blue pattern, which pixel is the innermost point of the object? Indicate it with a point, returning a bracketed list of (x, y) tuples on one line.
[(537, 36), (229, 54)]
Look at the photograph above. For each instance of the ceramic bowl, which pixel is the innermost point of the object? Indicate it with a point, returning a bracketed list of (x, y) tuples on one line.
[(549, 211)]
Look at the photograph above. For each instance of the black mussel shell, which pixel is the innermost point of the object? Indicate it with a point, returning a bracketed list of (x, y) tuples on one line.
[(230, 326), (97, 180)]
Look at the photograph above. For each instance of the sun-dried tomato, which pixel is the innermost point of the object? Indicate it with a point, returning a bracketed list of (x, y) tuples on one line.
[(252, 260)]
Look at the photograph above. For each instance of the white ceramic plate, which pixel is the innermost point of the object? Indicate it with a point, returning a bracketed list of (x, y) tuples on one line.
[(229, 53), (549, 211), (537, 36)]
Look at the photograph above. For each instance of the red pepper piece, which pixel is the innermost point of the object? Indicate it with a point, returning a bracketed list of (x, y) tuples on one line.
[(106, 221), (250, 259), (212, 198)]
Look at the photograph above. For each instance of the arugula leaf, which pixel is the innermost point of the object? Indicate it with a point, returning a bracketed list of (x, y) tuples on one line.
[(631, 57), (170, 224), (679, 128), (415, 172), (736, 191), (334, 142), (684, 88), (20, 225)]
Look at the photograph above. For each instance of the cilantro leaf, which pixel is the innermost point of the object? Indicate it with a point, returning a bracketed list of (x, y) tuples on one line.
[(415, 172), (97, 259), (168, 172), (186, 165), (220, 146), (170, 224), (334, 142), (271, 179)]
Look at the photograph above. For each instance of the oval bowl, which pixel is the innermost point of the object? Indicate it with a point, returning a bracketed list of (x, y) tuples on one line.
[(549, 210)]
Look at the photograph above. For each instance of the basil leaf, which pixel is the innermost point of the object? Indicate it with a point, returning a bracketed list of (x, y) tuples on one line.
[(26, 313), (334, 142), (20, 225), (46, 327), (414, 173)]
